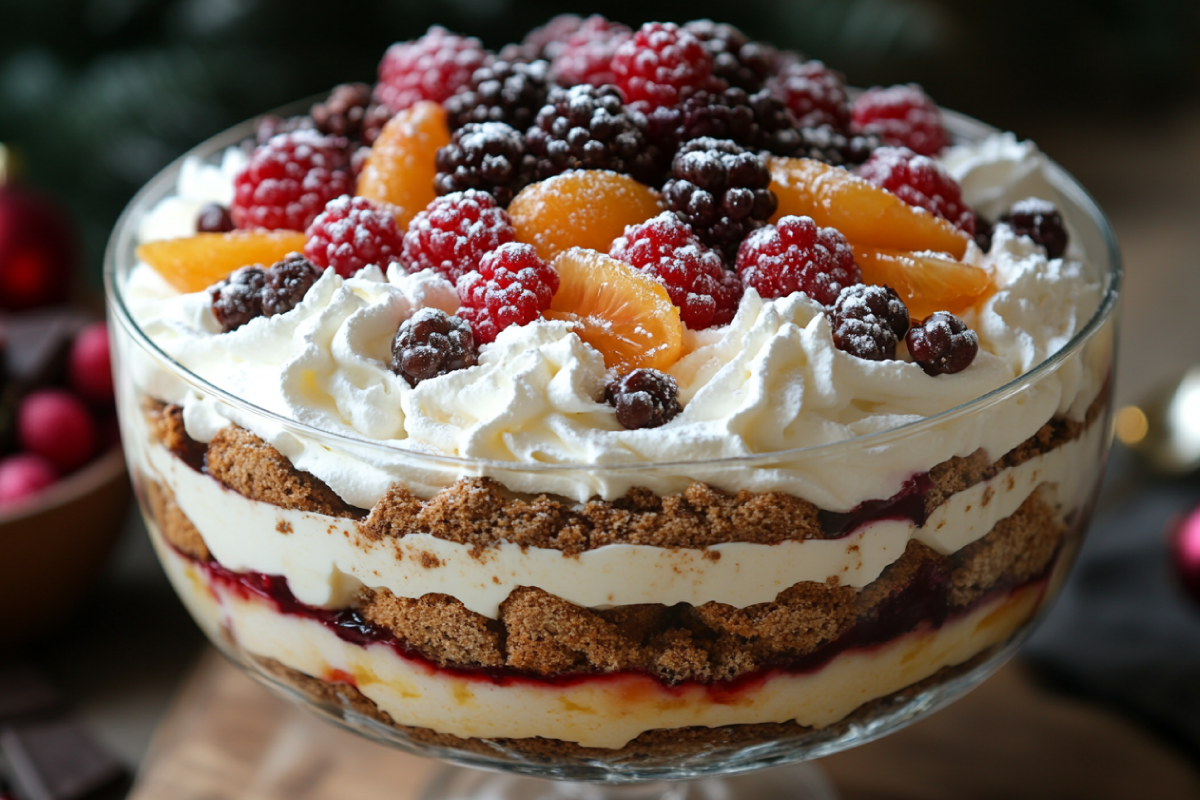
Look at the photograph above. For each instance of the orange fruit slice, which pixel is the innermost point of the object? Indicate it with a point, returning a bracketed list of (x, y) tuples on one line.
[(585, 208), (400, 169), (197, 262), (863, 212), (926, 282), (616, 309)]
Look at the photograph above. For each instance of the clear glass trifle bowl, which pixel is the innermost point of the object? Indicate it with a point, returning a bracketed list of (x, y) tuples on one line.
[(627, 621)]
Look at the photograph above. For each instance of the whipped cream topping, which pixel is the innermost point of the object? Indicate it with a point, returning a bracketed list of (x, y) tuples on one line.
[(770, 381)]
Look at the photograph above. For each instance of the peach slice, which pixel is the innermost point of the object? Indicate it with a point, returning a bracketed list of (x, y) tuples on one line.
[(585, 208), (926, 282), (196, 262), (864, 213), (400, 169), (616, 309)]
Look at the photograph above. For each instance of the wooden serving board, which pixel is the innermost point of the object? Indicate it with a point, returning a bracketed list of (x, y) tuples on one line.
[(227, 738)]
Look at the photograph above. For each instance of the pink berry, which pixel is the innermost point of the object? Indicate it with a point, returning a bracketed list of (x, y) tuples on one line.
[(56, 425), (90, 366), (903, 116), (919, 181), (1185, 546), (513, 286), (661, 65), (352, 233), (432, 67), (796, 255), (22, 476), (289, 180)]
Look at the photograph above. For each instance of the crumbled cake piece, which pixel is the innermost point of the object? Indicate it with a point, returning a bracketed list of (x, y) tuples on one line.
[(167, 428), (174, 525), (438, 626), (548, 635)]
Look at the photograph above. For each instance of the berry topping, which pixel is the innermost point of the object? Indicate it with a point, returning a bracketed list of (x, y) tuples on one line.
[(586, 55), (942, 344), (56, 425), (868, 322), (348, 112), (832, 147), (919, 181), (351, 233), (513, 286), (454, 232), (645, 398), (89, 367), (271, 125), (721, 190), (197, 262), (22, 476), (214, 218), (583, 208), (758, 121), (546, 41), (238, 299), (1040, 221), (814, 93), (286, 284), (983, 233), (588, 127), (795, 255), (289, 180), (661, 65), (902, 116), (666, 249), (864, 213), (927, 282), (623, 313), (489, 156), (433, 67), (400, 168), (736, 60), (502, 92), (431, 343)]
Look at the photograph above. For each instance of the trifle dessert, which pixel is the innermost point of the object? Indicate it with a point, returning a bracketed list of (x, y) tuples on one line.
[(635, 401)]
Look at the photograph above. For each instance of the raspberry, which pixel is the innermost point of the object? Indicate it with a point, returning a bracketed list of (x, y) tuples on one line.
[(286, 284), (586, 55), (431, 343), (54, 424), (815, 94), (795, 255), (736, 60), (645, 398), (289, 180), (919, 181), (868, 321), (666, 249), (433, 67), (721, 190), (454, 232), (512, 287), (238, 299), (351, 233), (842, 150), (214, 218), (661, 65), (1040, 221), (545, 41), (489, 156), (503, 92), (903, 116), (942, 344), (588, 127)]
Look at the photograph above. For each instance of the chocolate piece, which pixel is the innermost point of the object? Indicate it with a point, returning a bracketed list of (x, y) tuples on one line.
[(23, 692), (58, 760)]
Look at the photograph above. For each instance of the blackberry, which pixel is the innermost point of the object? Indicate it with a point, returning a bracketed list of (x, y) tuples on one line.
[(503, 92), (645, 398), (588, 127), (758, 121), (826, 144), (344, 111), (721, 190), (1040, 221), (983, 233), (868, 321), (271, 125), (286, 284), (238, 299), (736, 59), (431, 343), (488, 156), (545, 41), (214, 218), (942, 344)]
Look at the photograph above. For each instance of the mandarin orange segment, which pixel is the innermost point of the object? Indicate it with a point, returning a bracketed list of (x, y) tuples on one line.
[(864, 213), (585, 208), (616, 309), (400, 169), (926, 282), (197, 262)]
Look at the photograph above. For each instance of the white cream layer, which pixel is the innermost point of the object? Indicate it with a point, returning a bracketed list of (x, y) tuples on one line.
[(605, 713), (327, 560)]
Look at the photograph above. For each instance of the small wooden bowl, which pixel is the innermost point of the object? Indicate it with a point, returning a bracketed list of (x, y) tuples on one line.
[(53, 548)]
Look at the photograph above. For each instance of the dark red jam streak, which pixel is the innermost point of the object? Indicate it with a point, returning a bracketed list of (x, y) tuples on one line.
[(923, 601), (908, 503)]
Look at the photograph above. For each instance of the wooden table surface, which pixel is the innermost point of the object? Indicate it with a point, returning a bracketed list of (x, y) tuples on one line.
[(228, 738)]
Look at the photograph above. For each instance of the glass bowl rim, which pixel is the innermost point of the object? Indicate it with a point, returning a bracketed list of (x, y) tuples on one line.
[(962, 128)]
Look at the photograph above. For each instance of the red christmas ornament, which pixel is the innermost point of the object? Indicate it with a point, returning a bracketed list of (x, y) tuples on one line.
[(1185, 551), (37, 251)]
